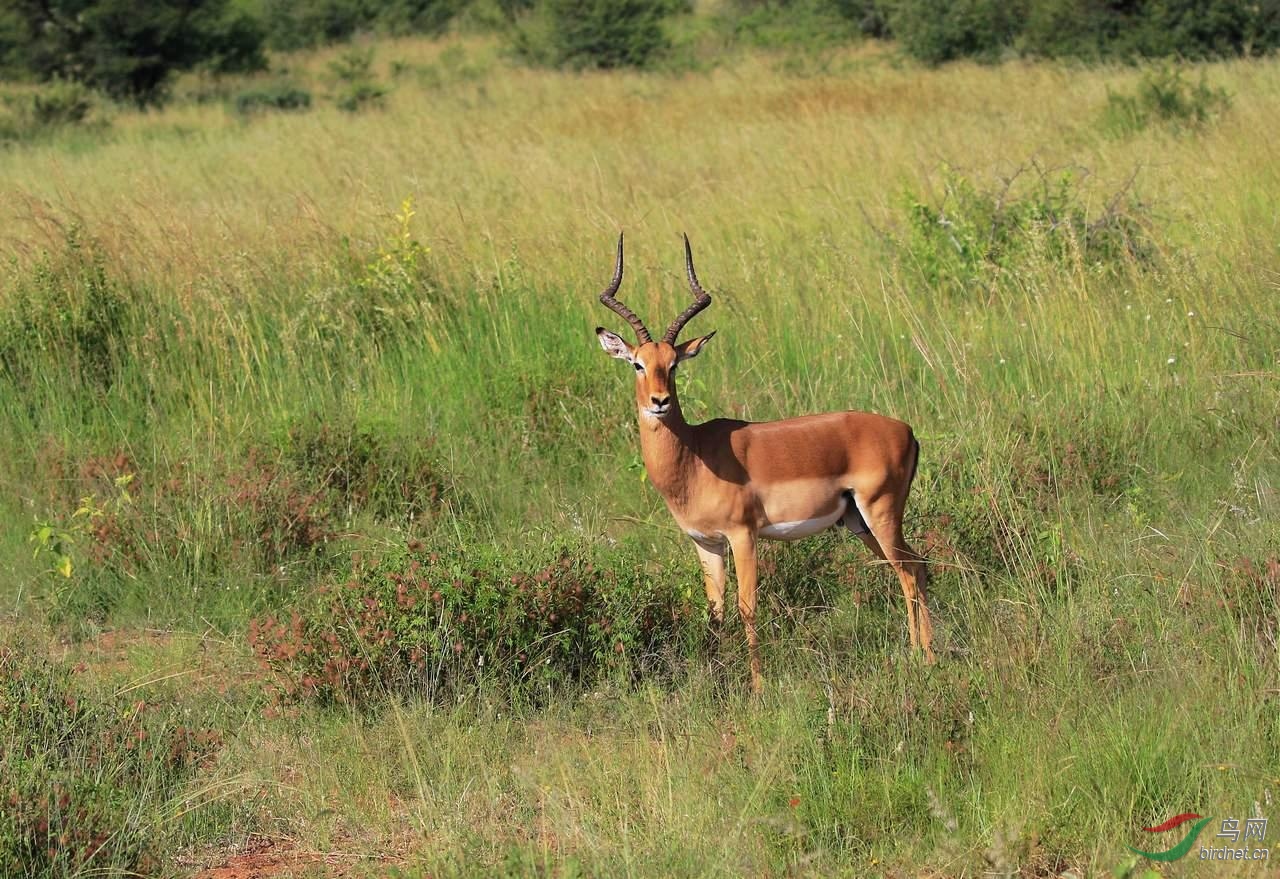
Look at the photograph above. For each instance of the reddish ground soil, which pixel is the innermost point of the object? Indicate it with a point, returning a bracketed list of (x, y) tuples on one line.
[(268, 859), (263, 858)]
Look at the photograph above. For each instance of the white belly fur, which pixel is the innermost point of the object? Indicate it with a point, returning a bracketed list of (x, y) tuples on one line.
[(804, 527)]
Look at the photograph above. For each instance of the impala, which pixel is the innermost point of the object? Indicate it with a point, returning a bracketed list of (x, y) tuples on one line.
[(729, 483)]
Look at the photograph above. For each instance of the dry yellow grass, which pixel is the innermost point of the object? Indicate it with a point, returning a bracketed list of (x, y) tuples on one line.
[(750, 161)]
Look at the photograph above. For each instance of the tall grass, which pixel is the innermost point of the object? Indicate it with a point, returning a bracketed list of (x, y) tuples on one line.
[(324, 334)]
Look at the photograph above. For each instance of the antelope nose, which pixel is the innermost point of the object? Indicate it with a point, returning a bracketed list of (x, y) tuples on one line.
[(660, 402)]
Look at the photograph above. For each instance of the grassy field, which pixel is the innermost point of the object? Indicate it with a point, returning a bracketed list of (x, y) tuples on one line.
[(259, 373)]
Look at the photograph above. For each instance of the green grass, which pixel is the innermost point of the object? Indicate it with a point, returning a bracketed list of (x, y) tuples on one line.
[(302, 378)]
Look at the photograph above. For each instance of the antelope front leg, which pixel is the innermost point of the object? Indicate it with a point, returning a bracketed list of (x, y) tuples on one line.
[(711, 557), (744, 561)]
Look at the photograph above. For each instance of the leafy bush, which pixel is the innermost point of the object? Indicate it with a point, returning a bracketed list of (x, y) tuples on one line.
[(85, 781), (971, 236), (601, 34), (61, 103), (364, 470), (933, 33), (276, 96), (430, 623), (1163, 96)]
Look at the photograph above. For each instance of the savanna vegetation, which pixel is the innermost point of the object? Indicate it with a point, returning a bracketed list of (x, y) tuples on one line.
[(325, 529)]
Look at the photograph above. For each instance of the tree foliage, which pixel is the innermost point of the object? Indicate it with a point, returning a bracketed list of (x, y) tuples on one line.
[(606, 33), (127, 49), (1088, 29), (130, 49), (936, 32), (1191, 29), (298, 24)]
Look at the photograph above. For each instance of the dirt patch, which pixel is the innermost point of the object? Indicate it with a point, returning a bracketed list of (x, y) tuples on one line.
[(269, 859), (265, 858)]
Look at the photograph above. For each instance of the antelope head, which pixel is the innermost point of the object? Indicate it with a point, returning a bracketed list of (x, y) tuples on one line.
[(654, 362)]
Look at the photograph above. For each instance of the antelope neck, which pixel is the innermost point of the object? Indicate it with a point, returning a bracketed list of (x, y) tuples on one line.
[(665, 445)]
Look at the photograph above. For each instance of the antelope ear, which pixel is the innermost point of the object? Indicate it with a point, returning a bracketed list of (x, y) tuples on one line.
[(614, 345), (691, 348)]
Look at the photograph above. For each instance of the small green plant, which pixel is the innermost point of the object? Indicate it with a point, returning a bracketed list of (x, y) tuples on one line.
[(1163, 97), (57, 541), (358, 87), (276, 96), (389, 295), (360, 96)]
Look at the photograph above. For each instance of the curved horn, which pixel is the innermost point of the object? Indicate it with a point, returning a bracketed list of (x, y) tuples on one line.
[(627, 314), (700, 299)]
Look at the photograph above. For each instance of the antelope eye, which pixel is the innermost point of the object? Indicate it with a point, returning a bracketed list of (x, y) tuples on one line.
[(639, 366)]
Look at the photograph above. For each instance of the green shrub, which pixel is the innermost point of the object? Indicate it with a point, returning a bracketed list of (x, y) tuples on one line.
[(369, 471), (358, 87), (937, 32), (601, 34), (61, 103), (966, 240), (277, 96), (434, 622), (806, 24), (1164, 97), (86, 782), (47, 111), (780, 22), (68, 307), (360, 96)]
